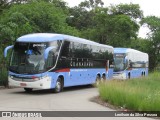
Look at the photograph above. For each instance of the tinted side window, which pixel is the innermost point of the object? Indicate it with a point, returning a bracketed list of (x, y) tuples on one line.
[(65, 49), (78, 50), (71, 49), (51, 60), (87, 51)]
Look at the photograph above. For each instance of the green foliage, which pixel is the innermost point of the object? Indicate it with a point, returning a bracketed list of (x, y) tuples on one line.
[(153, 24), (82, 19), (93, 4), (130, 94), (132, 10), (117, 30), (140, 44), (3, 76), (31, 17), (115, 25)]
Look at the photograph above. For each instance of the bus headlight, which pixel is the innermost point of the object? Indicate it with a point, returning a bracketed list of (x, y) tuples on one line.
[(11, 76)]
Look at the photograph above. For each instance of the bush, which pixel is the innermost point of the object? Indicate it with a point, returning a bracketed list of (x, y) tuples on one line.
[(142, 94), (3, 77)]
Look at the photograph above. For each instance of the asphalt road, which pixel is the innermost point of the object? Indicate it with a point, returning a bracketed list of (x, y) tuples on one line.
[(71, 99)]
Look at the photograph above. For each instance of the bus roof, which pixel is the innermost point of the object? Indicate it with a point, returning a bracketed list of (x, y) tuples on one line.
[(120, 50), (126, 50), (48, 37)]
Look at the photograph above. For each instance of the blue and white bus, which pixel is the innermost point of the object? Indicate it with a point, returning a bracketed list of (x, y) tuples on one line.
[(129, 63), (46, 61)]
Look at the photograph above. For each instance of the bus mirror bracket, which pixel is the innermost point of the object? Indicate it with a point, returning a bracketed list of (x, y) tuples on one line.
[(46, 52), (125, 60), (6, 50)]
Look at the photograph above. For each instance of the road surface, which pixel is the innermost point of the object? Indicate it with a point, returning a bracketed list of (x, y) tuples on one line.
[(71, 99)]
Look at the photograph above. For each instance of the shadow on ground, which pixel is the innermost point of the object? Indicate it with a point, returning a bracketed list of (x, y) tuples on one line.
[(51, 91)]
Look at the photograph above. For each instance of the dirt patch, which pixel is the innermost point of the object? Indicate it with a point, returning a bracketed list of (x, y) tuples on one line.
[(98, 100)]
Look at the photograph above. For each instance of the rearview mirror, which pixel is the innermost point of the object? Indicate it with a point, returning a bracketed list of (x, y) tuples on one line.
[(6, 50), (125, 60)]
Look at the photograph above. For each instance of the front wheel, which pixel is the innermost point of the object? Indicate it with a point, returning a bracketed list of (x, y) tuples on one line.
[(59, 86), (98, 79)]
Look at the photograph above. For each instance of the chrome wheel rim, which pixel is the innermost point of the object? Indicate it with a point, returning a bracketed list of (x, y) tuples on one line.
[(58, 86)]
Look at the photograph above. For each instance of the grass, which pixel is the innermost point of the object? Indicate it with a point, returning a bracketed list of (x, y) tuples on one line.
[(3, 76), (141, 94), (3, 68)]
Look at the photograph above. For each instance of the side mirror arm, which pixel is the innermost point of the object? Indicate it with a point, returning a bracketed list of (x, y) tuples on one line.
[(6, 50)]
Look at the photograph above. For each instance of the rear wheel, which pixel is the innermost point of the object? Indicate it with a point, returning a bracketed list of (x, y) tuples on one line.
[(59, 86), (28, 90), (103, 77), (129, 75)]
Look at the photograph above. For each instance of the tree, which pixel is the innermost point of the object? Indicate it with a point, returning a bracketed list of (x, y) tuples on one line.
[(132, 10), (91, 4), (33, 17), (153, 24), (114, 28), (5, 4), (84, 14)]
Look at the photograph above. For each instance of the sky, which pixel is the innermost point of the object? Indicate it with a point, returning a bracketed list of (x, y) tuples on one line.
[(149, 7)]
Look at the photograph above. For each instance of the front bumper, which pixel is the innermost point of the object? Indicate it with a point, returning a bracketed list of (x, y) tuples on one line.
[(43, 83), (121, 76)]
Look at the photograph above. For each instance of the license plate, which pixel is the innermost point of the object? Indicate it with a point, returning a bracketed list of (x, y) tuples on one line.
[(23, 84)]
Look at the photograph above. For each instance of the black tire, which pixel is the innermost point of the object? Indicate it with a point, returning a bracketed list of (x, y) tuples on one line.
[(144, 74), (129, 75), (59, 86), (103, 77), (28, 90), (98, 79)]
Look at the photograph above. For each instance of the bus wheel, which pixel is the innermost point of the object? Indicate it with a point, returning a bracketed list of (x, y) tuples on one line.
[(98, 79), (59, 86), (144, 74), (103, 77), (28, 90), (129, 75)]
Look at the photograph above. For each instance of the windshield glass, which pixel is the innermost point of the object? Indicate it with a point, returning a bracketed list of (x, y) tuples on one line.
[(28, 58), (119, 64)]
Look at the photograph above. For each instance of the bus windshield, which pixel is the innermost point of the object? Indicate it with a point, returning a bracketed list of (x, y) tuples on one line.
[(28, 58), (119, 64)]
